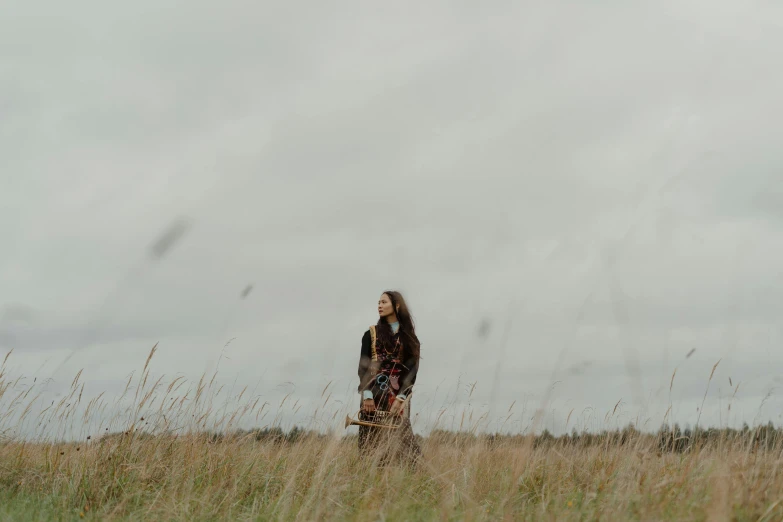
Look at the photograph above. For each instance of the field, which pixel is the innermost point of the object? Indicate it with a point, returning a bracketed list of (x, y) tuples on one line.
[(139, 468), (321, 478)]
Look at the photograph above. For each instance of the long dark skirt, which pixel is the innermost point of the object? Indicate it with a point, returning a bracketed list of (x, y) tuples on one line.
[(398, 445)]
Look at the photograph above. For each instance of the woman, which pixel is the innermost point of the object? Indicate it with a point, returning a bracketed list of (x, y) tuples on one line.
[(387, 373)]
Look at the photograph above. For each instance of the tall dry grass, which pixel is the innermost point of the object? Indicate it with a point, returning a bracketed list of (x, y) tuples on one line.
[(314, 478), (160, 459)]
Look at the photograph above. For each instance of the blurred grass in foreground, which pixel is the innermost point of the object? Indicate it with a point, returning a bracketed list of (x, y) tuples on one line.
[(321, 478), (171, 454)]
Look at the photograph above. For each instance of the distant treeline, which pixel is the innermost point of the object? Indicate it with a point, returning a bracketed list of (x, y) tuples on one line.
[(666, 439)]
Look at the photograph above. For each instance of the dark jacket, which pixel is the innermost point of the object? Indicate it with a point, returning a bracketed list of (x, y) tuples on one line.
[(367, 369)]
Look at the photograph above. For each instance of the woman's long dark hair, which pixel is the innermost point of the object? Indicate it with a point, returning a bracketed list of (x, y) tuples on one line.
[(411, 347)]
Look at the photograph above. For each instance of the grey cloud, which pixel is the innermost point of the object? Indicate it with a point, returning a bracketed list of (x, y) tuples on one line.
[(47, 337), (602, 175)]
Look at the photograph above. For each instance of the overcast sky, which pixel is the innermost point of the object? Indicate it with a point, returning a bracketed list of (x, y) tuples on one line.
[(598, 184)]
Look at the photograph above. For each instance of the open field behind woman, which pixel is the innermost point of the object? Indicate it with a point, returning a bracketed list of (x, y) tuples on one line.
[(140, 465), (462, 477)]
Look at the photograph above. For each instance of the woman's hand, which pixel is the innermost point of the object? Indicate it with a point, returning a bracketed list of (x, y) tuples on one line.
[(397, 407), (368, 405)]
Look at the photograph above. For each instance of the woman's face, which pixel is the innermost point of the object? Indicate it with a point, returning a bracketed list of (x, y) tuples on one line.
[(385, 307)]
